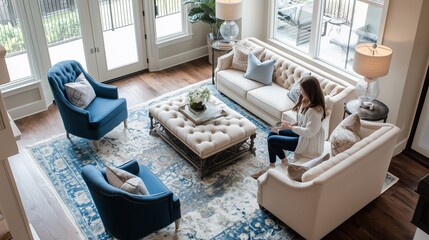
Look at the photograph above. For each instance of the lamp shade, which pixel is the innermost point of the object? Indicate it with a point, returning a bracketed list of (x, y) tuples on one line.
[(372, 60), (4, 73), (228, 9)]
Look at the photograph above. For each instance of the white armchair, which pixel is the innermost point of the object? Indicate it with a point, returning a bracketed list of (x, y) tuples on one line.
[(334, 190)]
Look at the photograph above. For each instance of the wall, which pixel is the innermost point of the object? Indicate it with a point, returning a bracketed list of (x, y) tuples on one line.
[(408, 37), (254, 19)]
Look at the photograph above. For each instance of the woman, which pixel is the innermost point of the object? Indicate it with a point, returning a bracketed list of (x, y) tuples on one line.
[(306, 137)]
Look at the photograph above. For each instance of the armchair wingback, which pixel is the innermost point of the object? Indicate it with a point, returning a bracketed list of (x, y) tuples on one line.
[(130, 216), (104, 113)]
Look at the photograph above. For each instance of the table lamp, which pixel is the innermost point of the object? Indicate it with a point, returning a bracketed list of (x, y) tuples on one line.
[(229, 10), (371, 61)]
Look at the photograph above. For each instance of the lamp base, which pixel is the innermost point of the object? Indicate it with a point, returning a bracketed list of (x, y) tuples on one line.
[(367, 91), (229, 30)]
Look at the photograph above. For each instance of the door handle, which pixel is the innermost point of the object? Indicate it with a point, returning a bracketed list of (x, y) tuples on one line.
[(91, 50)]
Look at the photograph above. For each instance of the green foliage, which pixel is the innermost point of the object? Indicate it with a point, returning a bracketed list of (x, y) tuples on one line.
[(58, 27), (205, 11), (11, 38)]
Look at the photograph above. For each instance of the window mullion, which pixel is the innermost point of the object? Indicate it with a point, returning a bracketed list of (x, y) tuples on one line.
[(317, 19)]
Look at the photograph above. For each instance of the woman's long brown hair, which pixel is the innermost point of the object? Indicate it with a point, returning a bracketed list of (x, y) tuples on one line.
[(311, 86)]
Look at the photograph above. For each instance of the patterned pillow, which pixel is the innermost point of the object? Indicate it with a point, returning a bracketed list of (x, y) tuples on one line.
[(345, 134), (241, 51), (260, 72), (295, 89), (80, 93), (295, 171), (126, 181)]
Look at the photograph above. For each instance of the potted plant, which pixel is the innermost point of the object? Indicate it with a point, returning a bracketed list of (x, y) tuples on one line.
[(197, 99), (205, 11)]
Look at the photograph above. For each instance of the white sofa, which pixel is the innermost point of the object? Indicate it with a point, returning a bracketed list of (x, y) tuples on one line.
[(334, 190), (270, 102)]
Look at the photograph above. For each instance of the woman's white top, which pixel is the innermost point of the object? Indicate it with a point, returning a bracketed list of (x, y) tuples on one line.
[(311, 133)]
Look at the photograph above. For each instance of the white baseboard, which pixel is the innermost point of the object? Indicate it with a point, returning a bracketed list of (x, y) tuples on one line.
[(400, 146), (179, 59), (27, 109)]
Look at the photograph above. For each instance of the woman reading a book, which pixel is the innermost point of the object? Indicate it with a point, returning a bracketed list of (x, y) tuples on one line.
[(306, 136)]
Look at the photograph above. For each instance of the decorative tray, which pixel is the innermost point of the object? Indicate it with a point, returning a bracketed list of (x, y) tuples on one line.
[(211, 112)]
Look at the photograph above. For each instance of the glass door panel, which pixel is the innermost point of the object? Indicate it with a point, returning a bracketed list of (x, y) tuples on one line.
[(62, 30), (119, 35), (12, 39), (293, 23), (350, 22)]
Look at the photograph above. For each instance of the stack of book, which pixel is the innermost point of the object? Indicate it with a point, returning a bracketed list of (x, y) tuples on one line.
[(212, 111)]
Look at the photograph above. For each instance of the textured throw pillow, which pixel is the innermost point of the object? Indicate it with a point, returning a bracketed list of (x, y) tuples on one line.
[(80, 93), (295, 89), (126, 181), (241, 50), (345, 134), (260, 72), (295, 171)]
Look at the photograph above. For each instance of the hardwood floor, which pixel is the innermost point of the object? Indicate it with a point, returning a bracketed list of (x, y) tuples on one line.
[(387, 217)]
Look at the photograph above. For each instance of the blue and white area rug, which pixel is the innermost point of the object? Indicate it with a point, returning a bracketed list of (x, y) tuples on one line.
[(221, 206)]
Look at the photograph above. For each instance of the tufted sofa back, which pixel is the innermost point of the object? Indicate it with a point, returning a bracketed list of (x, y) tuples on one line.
[(286, 73), (63, 73)]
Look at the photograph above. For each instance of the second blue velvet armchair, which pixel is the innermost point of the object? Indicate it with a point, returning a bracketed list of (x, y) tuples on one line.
[(130, 216), (103, 114)]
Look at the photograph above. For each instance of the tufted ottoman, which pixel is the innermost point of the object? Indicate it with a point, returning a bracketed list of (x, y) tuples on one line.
[(208, 146)]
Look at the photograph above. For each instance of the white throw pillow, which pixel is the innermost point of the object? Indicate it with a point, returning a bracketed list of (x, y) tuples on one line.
[(80, 93), (241, 51), (126, 181), (345, 135)]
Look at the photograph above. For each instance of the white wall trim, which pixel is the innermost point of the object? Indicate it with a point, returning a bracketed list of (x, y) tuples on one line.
[(27, 109), (400, 146), (179, 58), (33, 105)]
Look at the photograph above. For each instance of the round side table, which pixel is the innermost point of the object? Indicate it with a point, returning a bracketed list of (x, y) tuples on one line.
[(380, 111), (219, 46)]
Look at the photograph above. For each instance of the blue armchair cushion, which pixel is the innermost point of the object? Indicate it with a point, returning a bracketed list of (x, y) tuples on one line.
[(80, 93), (103, 110), (126, 181)]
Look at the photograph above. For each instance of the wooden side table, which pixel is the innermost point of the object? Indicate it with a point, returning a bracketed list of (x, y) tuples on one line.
[(219, 46), (380, 111)]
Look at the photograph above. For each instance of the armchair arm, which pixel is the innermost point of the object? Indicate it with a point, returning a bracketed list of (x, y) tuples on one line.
[(101, 89)]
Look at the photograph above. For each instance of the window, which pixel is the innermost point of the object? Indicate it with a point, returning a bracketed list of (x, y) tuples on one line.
[(13, 39), (327, 30), (170, 20)]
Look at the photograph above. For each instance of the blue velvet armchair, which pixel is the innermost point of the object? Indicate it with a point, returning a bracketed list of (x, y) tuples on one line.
[(104, 113), (130, 216)]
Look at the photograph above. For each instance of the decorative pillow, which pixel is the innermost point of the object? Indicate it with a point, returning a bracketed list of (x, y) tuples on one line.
[(260, 72), (295, 89), (126, 181), (80, 93), (241, 50), (295, 171), (345, 134)]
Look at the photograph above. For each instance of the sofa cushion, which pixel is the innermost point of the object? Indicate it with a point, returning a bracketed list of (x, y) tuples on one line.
[(259, 71), (295, 90), (295, 171), (241, 50), (236, 82), (272, 99), (126, 181), (80, 93), (345, 134)]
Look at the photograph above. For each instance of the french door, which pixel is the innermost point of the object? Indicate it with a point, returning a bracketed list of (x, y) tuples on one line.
[(105, 36)]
